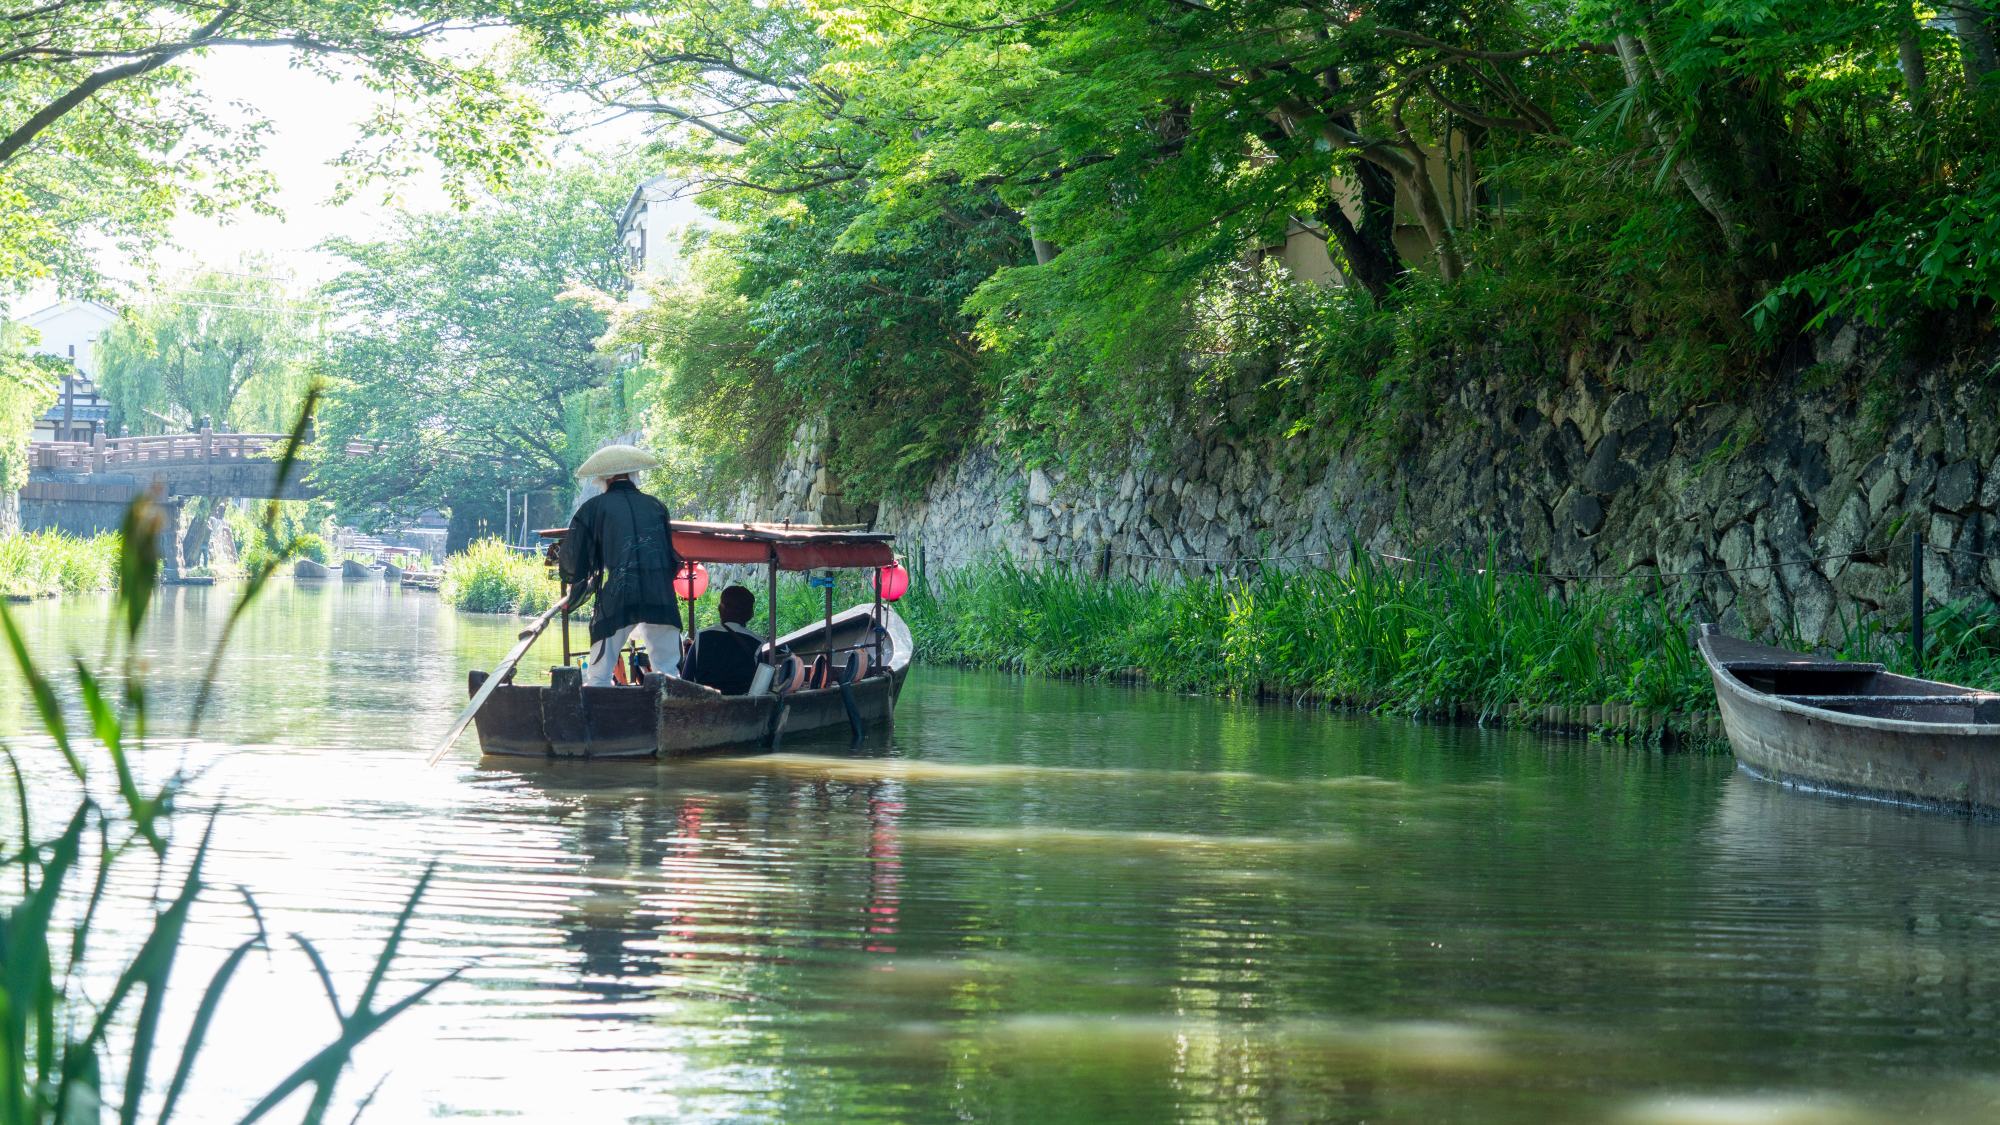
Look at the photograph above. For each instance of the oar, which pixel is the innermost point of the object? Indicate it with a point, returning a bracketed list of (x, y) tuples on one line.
[(500, 671)]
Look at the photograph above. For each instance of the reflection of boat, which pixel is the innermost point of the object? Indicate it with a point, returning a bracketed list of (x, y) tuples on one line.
[(1855, 728), (351, 570), (844, 671), (307, 568)]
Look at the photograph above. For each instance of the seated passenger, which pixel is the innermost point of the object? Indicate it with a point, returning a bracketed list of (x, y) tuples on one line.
[(725, 655)]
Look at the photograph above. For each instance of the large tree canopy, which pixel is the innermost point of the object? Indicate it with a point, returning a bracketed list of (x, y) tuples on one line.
[(468, 368), (1698, 181)]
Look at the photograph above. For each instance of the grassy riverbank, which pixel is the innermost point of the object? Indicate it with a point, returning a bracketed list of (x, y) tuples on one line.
[(487, 577), (43, 564), (1440, 638)]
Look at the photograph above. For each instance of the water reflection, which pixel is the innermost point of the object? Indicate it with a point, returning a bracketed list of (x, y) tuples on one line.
[(1050, 902)]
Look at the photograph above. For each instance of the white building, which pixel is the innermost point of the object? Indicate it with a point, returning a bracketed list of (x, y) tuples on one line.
[(69, 330), (651, 228)]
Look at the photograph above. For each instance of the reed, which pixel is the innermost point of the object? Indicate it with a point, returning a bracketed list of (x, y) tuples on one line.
[(72, 1054), (41, 564), (1434, 636), (488, 578)]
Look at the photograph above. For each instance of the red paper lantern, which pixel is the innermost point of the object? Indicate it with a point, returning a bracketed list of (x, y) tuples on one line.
[(891, 582), (691, 582)]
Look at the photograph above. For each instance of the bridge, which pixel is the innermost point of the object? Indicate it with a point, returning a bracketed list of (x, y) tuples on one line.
[(84, 487)]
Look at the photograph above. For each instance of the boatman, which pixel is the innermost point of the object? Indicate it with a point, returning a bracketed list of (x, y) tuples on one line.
[(620, 548)]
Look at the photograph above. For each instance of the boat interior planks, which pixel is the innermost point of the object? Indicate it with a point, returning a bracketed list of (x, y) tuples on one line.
[(1855, 728)]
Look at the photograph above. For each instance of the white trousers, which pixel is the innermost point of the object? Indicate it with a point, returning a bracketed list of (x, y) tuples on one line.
[(661, 642)]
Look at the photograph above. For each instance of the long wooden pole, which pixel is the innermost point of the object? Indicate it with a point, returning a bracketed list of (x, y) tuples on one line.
[(493, 681)]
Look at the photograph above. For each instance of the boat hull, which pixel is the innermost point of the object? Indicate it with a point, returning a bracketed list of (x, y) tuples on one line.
[(307, 568), (1938, 755), (671, 718), (634, 722)]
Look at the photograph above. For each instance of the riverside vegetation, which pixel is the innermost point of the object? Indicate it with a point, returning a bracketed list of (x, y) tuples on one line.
[(1438, 637), (43, 564)]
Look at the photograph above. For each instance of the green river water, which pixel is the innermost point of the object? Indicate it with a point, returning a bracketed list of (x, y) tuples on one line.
[(1040, 901)]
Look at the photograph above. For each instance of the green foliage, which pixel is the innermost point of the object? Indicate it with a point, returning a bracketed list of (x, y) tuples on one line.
[(465, 359), (1512, 190), (42, 564), (286, 529), (228, 346), (1938, 254), (1423, 638), (487, 577), (29, 385)]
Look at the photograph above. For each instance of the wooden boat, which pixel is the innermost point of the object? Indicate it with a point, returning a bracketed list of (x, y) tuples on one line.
[(422, 579), (842, 673), (307, 568), (1855, 728), (354, 571), (392, 573)]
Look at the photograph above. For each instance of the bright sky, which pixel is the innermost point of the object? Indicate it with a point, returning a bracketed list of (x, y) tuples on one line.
[(313, 120)]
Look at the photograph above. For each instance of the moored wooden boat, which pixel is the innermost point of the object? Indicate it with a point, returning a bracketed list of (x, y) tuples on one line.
[(1855, 728), (422, 579), (307, 568), (671, 717), (356, 571), (392, 573)]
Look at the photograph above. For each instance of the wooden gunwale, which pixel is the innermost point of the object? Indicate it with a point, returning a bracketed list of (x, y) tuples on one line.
[(1811, 740)]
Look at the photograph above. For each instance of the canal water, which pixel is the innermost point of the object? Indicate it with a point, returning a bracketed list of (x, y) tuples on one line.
[(1039, 901)]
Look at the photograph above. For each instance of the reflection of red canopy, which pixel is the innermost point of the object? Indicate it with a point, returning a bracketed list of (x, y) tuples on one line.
[(794, 548)]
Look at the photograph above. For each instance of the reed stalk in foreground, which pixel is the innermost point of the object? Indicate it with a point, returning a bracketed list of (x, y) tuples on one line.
[(69, 1058)]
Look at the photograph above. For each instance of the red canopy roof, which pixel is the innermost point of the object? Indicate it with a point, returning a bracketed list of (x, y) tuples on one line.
[(792, 547)]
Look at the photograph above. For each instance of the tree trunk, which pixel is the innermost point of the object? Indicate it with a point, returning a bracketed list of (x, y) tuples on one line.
[(1667, 136), (194, 542), (1361, 261), (1975, 41), (1910, 54)]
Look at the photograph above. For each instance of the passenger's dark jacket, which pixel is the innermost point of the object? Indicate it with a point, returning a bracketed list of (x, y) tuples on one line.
[(628, 536), (725, 659)]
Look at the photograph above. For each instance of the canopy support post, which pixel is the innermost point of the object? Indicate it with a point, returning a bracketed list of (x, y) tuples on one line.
[(875, 629), (771, 604)]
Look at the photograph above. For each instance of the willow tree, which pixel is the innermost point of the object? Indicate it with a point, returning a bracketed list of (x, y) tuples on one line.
[(229, 348)]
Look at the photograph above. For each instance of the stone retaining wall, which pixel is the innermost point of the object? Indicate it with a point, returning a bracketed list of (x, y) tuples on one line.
[(1590, 479)]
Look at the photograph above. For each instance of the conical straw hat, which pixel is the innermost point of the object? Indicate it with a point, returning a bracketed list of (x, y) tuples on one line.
[(615, 460)]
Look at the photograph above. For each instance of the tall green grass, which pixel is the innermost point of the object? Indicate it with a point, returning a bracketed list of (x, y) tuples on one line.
[(1436, 635), (488, 578), (42, 564), (71, 1054), (1433, 636)]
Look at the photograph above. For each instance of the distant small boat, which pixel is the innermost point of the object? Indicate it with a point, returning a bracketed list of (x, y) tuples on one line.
[(422, 579), (307, 568), (351, 570), (391, 572), (1855, 728)]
